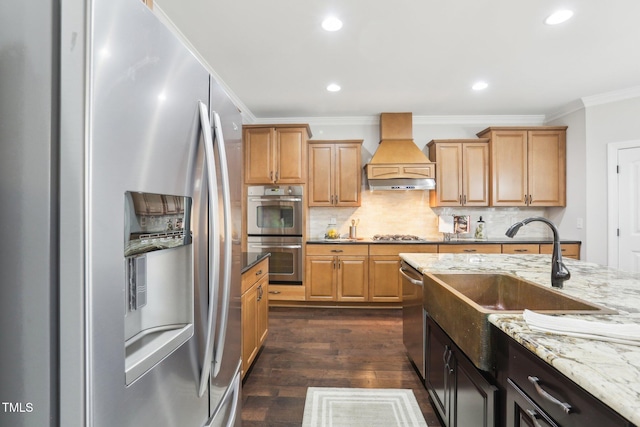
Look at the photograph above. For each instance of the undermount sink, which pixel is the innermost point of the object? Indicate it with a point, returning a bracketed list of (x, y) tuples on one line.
[(461, 303)]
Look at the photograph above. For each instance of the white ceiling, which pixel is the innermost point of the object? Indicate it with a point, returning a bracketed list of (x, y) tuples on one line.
[(413, 55)]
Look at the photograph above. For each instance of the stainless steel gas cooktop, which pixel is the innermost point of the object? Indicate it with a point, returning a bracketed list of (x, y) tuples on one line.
[(396, 237)]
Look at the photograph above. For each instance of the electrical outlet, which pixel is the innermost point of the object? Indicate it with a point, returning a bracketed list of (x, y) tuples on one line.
[(332, 221), (579, 223)]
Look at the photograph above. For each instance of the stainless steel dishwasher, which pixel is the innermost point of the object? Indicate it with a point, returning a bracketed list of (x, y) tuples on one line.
[(413, 316)]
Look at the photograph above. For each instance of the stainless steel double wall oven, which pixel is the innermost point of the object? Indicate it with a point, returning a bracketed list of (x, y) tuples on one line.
[(274, 224)]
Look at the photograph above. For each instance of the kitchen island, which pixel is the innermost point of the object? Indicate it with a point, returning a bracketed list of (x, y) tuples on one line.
[(608, 371)]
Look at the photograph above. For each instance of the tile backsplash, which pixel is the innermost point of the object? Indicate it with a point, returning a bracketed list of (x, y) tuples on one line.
[(408, 212)]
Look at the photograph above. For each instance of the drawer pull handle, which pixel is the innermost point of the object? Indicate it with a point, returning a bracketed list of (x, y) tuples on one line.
[(259, 272), (469, 250), (565, 406), (274, 292), (521, 250), (337, 250)]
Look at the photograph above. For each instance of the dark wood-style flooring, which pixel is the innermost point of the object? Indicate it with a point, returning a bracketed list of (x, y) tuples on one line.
[(326, 347)]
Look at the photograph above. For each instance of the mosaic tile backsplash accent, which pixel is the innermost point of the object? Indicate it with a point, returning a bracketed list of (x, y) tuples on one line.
[(408, 212)]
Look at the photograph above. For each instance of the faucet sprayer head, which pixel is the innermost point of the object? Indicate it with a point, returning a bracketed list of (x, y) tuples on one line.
[(513, 230)]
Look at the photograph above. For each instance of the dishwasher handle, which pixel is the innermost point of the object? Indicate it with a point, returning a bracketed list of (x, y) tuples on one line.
[(409, 278)]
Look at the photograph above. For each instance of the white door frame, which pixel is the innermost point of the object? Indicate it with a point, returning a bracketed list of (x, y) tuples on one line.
[(612, 196)]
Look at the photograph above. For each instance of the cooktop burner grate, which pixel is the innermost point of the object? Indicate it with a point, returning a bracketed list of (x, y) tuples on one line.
[(396, 237)]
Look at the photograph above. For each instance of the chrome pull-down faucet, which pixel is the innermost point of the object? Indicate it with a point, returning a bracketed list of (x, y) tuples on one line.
[(559, 272)]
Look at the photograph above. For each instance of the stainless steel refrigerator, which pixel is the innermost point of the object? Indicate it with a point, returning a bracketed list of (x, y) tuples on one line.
[(120, 184)]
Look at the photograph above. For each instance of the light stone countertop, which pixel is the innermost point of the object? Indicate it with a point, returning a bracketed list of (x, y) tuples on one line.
[(609, 371)]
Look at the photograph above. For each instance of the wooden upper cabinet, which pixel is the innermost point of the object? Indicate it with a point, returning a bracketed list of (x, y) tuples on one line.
[(546, 161), (528, 165), (462, 172), (335, 173), (275, 154)]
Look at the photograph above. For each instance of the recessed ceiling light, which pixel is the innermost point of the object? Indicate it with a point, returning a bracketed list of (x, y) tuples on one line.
[(558, 17), (332, 24), (333, 87), (480, 86)]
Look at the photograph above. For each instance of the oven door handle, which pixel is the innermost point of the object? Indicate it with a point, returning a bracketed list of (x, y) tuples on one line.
[(276, 246), (280, 199)]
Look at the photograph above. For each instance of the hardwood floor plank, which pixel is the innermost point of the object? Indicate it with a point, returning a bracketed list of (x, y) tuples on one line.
[(326, 347)]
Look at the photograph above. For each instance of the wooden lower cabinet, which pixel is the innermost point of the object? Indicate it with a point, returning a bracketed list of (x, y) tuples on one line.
[(255, 312), (462, 395), (385, 281), (569, 250), (370, 273), (337, 272)]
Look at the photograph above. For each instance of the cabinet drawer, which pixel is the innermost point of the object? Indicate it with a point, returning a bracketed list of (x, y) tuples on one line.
[(462, 249), (255, 273), (337, 249), (532, 248), (286, 293), (569, 250), (585, 410), (383, 249)]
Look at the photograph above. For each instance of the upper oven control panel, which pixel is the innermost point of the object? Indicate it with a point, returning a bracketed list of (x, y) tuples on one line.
[(275, 190)]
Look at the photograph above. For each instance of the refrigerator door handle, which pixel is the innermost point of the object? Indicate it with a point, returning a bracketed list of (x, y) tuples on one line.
[(234, 388), (226, 281), (214, 244)]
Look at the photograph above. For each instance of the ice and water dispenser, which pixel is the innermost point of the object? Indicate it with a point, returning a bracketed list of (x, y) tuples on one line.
[(158, 262)]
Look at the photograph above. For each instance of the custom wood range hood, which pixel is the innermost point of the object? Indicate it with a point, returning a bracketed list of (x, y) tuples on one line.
[(398, 163)]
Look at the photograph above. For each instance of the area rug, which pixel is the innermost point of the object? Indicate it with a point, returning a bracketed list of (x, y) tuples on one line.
[(366, 407)]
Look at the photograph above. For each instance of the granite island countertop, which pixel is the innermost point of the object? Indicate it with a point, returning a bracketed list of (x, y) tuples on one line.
[(609, 371), (369, 241)]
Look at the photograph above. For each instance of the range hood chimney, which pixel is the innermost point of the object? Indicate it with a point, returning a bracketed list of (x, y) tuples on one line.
[(398, 163)]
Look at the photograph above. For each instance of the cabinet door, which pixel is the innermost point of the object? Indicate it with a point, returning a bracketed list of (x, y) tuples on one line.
[(546, 166), (439, 370), (353, 278), (385, 282), (475, 397), (509, 167), (321, 175), (475, 174), (258, 156), (249, 302), (262, 310), (348, 174), (291, 155), (448, 175), (320, 278)]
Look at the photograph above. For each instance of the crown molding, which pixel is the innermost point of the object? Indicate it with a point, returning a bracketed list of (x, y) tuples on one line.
[(567, 109), (613, 96), (484, 120)]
